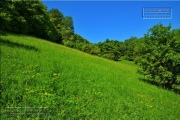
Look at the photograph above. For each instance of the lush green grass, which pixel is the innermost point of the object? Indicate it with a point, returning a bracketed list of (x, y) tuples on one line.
[(75, 85)]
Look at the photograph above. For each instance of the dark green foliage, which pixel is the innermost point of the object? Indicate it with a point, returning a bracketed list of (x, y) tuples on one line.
[(160, 61), (91, 49), (56, 17), (66, 31), (38, 20), (32, 18), (5, 16), (110, 49), (87, 48), (130, 49), (64, 26), (133, 48), (68, 23), (130, 44), (28, 17), (79, 41)]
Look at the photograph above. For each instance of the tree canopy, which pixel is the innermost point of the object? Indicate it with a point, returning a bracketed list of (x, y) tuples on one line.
[(160, 61)]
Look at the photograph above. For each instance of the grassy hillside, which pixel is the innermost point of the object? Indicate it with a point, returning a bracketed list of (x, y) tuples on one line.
[(47, 80)]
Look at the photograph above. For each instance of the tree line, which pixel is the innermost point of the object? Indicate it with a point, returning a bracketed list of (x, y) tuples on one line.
[(157, 53), (32, 18)]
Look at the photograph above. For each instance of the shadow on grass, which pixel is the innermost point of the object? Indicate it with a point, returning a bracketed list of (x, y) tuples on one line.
[(174, 89), (13, 44)]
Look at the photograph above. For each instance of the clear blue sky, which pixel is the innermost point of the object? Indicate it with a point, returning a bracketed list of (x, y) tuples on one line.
[(116, 20)]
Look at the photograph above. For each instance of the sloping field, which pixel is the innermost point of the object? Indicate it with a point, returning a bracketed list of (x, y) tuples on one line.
[(40, 79)]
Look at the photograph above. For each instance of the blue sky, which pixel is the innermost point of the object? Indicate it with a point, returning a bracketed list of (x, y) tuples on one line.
[(115, 20)]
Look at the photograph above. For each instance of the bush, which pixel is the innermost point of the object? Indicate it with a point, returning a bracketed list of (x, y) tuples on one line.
[(161, 57)]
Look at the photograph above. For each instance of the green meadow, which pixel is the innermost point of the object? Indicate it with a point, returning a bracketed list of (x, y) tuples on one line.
[(44, 80)]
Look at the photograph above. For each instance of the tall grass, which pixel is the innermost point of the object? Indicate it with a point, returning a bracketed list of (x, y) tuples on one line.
[(51, 81)]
